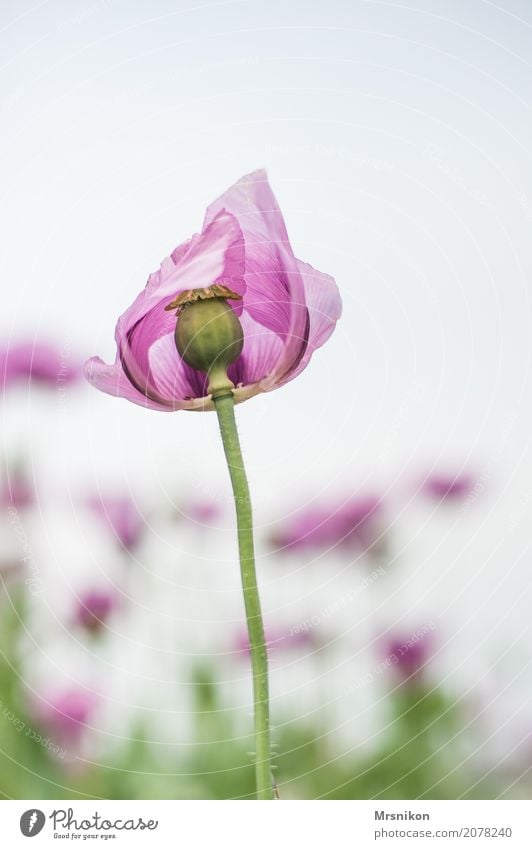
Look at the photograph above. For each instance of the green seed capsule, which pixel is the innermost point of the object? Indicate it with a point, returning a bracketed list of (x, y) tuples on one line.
[(209, 338)]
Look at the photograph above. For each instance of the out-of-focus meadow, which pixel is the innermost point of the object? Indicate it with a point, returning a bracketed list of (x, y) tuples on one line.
[(391, 481), (124, 657)]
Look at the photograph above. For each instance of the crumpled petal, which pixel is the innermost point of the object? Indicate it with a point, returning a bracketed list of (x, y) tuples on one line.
[(324, 306), (215, 254), (275, 294), (262, 350), (112, 380)]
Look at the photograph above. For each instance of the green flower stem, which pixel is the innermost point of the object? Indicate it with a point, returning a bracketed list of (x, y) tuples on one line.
[(224, 404)]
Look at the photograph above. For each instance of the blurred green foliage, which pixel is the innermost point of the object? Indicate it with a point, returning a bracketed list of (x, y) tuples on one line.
[(420, 755)]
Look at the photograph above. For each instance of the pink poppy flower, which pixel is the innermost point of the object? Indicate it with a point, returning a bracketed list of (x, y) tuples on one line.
[(66, 713), (409, 656), (450, 487), (287, 309), (17, 491), (358, 522), (39, 362), (94, 608), (121, 515), (202, 512), (351, 523)]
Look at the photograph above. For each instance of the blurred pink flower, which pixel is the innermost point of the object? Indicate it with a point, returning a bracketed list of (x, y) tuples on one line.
[(351, 523), (441, 487), (287, 309), (66, 713), (409, 655), (94, 608), (39, 362), (122, 516), (276, 640), (203, 512), (358, 522), (17, 491)]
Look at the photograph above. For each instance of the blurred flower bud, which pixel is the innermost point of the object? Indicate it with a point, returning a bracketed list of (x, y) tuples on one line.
[(94, 609)]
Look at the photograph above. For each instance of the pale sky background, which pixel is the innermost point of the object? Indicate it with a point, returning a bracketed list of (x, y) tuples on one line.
[(397, 141)]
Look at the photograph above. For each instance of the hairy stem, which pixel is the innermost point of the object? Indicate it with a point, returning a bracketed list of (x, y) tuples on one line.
[(259, 661)]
